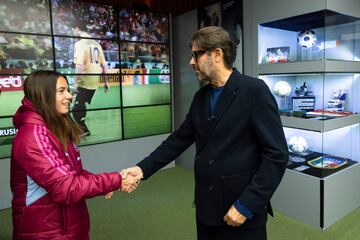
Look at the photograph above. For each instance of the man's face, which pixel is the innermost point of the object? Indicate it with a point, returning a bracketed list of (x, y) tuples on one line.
[(202, 63)]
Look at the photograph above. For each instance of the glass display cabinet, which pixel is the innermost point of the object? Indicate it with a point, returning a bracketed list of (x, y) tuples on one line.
[(311, 63)]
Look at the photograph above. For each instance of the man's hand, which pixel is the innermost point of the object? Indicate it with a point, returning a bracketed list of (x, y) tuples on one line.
[(129, 183), (234, 218), (133, 171)]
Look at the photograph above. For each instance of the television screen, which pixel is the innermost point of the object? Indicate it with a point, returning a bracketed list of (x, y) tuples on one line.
[(81, 40), (7, 133), (141, 26), (92, 20), (25, 16), (145, 121), (104, 125), (20, 53), (88, 52), (144, 58), (11, 94), (103, 97), (145, 89)]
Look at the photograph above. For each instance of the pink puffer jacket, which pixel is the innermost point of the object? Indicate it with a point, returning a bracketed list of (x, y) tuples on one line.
[(49, 185)]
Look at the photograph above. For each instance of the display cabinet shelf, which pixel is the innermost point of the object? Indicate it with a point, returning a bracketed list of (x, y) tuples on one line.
[(315, 66), (318, 19), (318, 125)]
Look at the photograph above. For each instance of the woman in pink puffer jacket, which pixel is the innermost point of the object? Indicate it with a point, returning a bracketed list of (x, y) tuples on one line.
[(47, 180)]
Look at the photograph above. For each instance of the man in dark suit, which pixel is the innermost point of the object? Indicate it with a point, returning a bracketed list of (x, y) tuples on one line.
[(241, 151)]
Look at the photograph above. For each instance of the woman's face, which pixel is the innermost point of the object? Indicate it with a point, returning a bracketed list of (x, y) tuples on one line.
[(63, 97)]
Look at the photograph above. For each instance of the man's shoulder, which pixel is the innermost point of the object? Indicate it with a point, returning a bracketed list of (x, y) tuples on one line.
[(242, 80)]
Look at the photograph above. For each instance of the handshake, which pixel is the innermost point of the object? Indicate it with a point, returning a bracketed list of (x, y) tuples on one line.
[(130, 180)]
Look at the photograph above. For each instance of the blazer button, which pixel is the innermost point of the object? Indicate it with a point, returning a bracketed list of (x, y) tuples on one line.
[(211, 118), (211, 161), (196, 157), (211, 187)]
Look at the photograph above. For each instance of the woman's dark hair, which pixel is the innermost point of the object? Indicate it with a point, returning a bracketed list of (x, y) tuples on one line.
[(40, 89), (216, 37)]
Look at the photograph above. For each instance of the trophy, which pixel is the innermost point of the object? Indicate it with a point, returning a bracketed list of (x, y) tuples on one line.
[(337, 102), (282, 89)]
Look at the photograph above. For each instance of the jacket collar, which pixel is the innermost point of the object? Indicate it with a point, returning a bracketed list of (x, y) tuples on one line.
[(27, 113)]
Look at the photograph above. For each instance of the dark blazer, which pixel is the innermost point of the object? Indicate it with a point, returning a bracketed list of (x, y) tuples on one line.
[(241, 151)]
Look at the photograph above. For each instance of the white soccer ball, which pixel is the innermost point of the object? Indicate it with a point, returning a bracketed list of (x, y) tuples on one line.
[(307, 38), (298, 144), (282, 88)]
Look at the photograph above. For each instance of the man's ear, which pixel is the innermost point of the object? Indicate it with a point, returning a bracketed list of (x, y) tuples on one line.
[(218, 54)]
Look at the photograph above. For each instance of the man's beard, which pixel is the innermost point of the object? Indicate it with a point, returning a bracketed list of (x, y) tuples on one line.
[(202, 77)]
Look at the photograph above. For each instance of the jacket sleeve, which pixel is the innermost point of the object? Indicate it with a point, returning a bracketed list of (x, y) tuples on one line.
[(267, 127), (63, 182)]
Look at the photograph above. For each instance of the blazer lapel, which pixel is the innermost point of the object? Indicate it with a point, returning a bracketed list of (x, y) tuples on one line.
[(226, 98), (205, 103)]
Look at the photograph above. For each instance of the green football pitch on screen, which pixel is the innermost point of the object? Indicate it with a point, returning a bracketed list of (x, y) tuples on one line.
[(144, 121), (133, 95), (10, 102)]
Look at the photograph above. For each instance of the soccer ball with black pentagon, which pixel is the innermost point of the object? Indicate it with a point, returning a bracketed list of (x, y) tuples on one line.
[(307, 38)]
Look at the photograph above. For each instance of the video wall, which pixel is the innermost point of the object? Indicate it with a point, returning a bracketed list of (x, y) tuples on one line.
[(120, 55)]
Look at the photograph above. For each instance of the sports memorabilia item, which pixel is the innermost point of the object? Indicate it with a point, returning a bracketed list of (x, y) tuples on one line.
[(282, 88), (298, 144), (327, 162), (307, 38), (337, 102)]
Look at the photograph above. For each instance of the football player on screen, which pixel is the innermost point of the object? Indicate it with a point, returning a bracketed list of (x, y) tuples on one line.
[(89, 59)]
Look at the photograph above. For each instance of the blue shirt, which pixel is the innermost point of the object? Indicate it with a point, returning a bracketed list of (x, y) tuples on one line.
[(215, 94)]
